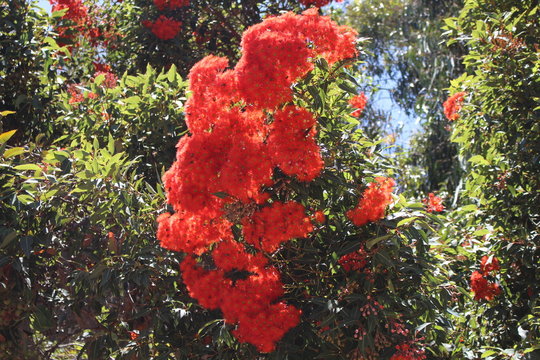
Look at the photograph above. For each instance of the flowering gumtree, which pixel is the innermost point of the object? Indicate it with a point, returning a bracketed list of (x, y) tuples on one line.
[(263, 191)]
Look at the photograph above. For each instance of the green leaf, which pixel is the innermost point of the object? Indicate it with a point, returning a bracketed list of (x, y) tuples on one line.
[(27, 167), (26, 244), (98, 80), (406, 221), (481, 232), (478, 159), (51, 42), (25, 199), (372, 242), (468, 208), (13, 152), (4, 137), (487, 353), (8, 238), (60, 13), (110, 145), (423, 326), (348, 87), (6, 112), (171, 74), (209, 326), (42, 319), (132, 100), (221, 195)]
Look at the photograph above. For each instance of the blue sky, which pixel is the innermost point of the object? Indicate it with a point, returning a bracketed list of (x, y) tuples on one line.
[(44, 4)]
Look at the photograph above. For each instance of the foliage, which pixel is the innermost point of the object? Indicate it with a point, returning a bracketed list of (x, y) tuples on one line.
[(207, 27), (89, 122), (407, 57), (28, 78), (497, 132), (143, 114)]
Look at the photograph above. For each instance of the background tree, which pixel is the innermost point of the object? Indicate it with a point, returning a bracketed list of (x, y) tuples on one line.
[(407, 55), (496, 129)]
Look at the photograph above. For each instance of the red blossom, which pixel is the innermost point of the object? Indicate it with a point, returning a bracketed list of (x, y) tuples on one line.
[(275, 224), (354, 261), (110, 80), (75, 94), (241, 131), (292, 144), (482, 288), (319, 217), (408, 352), (100, 67), (170, 4), (358, 102), (374, 201), (76, 10), (452, 105), (317, 3), (433, 203), (164, 28), (489, 264), (280, 50)]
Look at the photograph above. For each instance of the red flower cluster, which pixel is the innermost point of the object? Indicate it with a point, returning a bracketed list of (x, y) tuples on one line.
[(317, 3), (319, 217), (250, 301), (354, 261), (240, 131), (292, 144), (279, 50), (433, 203), (275, 224), (374, 201), (170, 4), (480, 285), (408, 352), (82, 23), (359, 102), (77, 11), (452, 105), (489, 264), (76, 95), (164, 28), (110, 79)]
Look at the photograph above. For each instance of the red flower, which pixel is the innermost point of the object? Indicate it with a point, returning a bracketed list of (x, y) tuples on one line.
[(275, 224), (170, 4), (77, 11), (317, 3), (164, 28), (240, 131), (356, 260), (374, 201), (482, 288), (110, 80), (292, 144), (319, 217), (452, 105), (75, 94), (433, 203), (100, 67), (359, 102), (489, 264), (408, 352), (280, 50)]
